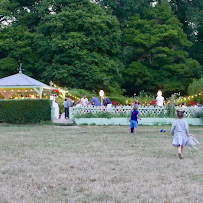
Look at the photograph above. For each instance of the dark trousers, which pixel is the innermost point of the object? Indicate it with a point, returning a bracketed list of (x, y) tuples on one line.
[(66, 109)]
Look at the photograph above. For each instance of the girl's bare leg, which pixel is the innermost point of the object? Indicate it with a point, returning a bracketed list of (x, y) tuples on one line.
[(180, 152), (135, 130), (181, 149)]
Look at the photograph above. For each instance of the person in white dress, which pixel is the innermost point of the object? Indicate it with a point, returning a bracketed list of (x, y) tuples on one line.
[(84, 100)]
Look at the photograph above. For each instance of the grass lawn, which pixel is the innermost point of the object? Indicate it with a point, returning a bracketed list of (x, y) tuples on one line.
[(53, 164)]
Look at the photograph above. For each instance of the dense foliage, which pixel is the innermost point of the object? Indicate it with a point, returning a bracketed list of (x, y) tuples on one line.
[(104, 44), (196, 87), (190, 14), (157, 43), (73, 43), (25, 111)]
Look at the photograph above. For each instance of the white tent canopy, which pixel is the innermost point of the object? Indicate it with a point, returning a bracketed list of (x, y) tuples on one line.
[(8, 85)]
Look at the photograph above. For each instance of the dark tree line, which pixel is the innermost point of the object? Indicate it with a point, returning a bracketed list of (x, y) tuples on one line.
[(110, 45)]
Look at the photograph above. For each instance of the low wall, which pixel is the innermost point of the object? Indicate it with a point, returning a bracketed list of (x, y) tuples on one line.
[(125, 121)]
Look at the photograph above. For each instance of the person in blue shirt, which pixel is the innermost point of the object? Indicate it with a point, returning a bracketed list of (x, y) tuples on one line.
[(66, 108), (107, 102), (198, 104), (95, 100), (134, 117)]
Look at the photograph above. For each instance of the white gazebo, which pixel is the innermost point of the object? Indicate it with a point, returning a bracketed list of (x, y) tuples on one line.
[(21, 83)]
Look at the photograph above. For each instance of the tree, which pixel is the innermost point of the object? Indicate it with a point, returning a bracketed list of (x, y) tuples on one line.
[(195, 87), (123, 9), (83, 42), (16, 46), (159, 60), (190, 14), (71, 42)]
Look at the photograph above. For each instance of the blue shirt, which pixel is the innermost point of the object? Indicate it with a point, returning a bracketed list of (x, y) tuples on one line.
[(136, 105), (134, 115), (106, 101), (66, 104), (96, 101)]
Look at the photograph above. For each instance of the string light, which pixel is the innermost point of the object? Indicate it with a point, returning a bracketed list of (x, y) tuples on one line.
[(61, 90)]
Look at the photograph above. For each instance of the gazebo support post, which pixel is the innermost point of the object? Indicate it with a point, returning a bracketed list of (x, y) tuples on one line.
[(6, 95), (38, 91)]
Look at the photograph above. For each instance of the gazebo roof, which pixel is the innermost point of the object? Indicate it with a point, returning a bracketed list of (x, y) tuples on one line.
[(20, 80)]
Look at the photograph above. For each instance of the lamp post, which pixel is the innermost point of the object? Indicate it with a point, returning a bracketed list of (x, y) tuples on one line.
[(101, 93), (159, 99), (159, 93)]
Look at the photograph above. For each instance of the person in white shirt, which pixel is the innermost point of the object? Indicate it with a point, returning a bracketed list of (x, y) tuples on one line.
[(184, 105), (159, 99), (84, 100)]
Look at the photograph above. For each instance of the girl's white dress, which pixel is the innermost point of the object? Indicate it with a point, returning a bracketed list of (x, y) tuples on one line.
[(179, 131)]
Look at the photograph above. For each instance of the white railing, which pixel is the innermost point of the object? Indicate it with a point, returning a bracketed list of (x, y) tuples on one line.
[(126, 110)]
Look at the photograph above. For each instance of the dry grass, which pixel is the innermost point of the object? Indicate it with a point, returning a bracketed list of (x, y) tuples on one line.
[(97, 164)]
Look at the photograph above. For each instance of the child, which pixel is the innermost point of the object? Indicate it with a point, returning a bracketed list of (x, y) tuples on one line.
[(180, 131), (134, 117)]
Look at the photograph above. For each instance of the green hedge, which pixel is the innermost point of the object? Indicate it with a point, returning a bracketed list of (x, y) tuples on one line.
[(25, 111)]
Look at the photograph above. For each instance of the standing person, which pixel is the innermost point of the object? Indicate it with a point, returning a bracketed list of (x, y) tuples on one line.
[(199, 105), (136, 103), (107, 102), (66, 108), (184, 105), (70, 103), (134, 117), (180, 131), (84, 100), (94, 100)]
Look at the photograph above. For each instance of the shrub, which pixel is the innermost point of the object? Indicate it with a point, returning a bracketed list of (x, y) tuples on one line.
[(60, 101), (196, 86), (25, 111), (198, 114), (103, 115), (118, 98)]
